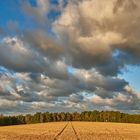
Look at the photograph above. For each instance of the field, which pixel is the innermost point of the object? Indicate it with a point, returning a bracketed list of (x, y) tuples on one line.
[(71, 131)]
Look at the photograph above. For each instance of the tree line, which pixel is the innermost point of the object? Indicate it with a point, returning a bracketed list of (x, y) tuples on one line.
[(95, 116)]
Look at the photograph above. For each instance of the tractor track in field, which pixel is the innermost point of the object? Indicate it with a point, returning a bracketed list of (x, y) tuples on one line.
[(62, 130), (60, 133), (75, 131)]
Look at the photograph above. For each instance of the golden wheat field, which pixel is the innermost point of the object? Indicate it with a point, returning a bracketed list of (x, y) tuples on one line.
[(71, 131)]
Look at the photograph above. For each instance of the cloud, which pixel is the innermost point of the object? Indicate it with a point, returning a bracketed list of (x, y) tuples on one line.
[(91, 34), (127, 100), (19, 57), (97, 39), (41, 42), (40, 11), (38, 91), (37, 12), (22, 58)]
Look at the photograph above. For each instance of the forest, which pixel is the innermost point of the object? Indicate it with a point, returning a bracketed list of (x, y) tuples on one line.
[(94, 116)]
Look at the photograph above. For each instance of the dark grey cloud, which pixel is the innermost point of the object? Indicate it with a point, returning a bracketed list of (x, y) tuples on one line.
[(17, 56), (40, 41)]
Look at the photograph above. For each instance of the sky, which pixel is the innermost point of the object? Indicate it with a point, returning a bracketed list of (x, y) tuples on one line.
[(69, 55)]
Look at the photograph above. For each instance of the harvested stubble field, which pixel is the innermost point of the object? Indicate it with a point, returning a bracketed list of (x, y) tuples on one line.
[(71, 131)]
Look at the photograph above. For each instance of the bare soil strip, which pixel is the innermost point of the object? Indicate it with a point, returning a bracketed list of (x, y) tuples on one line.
[(60, 133), (74, 131)]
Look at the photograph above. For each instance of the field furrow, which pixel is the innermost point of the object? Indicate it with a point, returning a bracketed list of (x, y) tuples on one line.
[(60, 133), (68, 133)]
